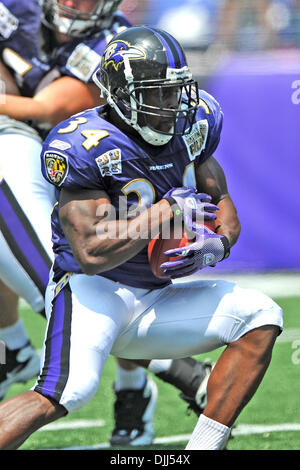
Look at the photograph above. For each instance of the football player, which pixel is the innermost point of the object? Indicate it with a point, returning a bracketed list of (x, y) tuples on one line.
[(151, 147), (54, 81)]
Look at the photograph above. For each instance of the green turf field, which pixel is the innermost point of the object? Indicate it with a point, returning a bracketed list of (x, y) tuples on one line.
[(277, 402)]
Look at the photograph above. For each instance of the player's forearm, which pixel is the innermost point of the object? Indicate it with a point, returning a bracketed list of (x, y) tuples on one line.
[(113, 242), (23, 108), (211, 179), (40, 108), (228, 223)]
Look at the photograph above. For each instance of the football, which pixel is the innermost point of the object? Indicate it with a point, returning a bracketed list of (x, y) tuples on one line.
[(158, 245)]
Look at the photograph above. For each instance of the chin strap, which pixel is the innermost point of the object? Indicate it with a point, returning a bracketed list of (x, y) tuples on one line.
[(152, 137)]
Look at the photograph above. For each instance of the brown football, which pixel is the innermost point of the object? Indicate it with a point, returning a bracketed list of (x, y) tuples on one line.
[(158, 245)]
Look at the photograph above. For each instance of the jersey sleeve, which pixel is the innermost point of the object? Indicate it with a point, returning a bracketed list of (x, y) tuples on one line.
[(20, 22), (214, 117), (66, 164), (9, 23)]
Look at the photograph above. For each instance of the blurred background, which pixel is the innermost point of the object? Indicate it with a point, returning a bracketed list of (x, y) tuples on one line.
[(246, 53)]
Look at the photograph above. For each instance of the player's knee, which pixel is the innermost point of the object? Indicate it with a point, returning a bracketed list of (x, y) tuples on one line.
[(259, 342), (242, 310), (47, 408), (256, 311), (77, 397), (75, 393)]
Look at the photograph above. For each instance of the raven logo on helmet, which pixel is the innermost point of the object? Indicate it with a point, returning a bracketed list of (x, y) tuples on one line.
[(116, 51)]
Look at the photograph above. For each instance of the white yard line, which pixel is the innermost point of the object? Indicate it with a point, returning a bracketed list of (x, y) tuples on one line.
[(240, 430), (289, 335), (245, 429), (73, 424), (272, 284)]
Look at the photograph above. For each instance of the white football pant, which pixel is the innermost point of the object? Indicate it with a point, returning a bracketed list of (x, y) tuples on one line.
[(92, 317)]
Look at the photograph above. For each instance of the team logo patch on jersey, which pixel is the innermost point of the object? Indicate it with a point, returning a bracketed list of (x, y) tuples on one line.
[(110, 163), (196, 140), (116, 52), (83, 61), (57, 167)]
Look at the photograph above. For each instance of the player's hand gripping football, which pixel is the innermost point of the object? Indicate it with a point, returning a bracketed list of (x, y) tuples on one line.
[(208, 249), (191, 206)]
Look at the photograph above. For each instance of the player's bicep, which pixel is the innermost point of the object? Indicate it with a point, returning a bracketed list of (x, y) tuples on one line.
[(80, 211), (210, 179)]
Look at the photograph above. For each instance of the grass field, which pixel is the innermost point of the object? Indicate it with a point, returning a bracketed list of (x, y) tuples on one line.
[(277, 402)]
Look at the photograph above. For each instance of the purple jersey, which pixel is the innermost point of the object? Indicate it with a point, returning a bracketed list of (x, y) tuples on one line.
[(19, 42), (88, 152), (24, 47)]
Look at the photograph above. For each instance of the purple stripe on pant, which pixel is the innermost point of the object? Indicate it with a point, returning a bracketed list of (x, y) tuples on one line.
[(22, 239), (54, 373)]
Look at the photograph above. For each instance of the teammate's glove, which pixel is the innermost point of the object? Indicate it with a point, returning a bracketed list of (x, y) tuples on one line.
[(191, 205), (208, 249)]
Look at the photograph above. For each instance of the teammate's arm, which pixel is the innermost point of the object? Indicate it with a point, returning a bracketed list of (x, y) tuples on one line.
[(100, 242), (211, 179), (56, 102)]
